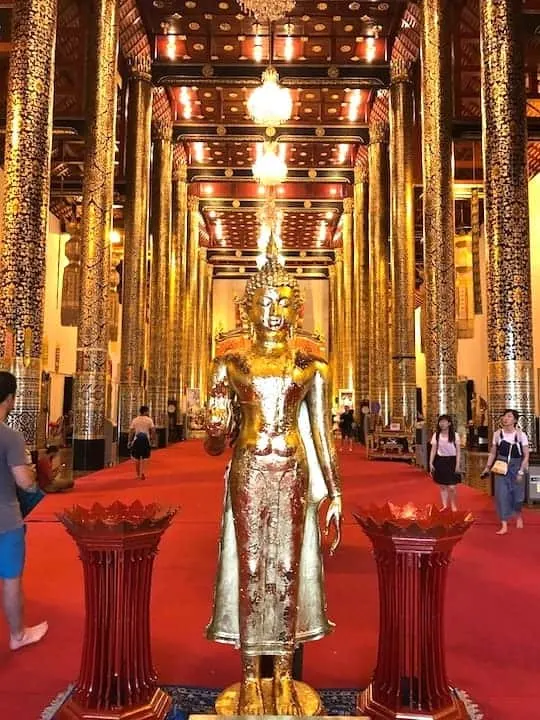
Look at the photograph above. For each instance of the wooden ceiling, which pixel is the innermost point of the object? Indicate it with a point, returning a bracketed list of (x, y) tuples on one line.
[(332, 55)]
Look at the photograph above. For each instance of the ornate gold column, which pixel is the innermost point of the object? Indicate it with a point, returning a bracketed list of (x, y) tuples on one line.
[(138, 147), (332, 338), (510, 346), (178, 280), (338, 321), (89, 390), (191, 330), (361, 286), (202, 316), (403, 250), (346, 313), (440, 342), (158, 362), (209, 314), (26, 207), (379, 361)]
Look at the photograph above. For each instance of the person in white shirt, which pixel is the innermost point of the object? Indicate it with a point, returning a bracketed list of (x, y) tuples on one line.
[(444, 460), (511, 446), (142, 435)]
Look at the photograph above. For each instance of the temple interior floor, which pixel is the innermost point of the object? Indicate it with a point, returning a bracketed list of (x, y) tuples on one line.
[(493, 634)]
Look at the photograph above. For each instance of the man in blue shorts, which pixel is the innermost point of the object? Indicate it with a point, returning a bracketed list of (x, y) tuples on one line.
[(14, 470)]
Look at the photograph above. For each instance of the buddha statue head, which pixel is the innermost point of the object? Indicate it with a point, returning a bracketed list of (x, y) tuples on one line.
[(272, 298)]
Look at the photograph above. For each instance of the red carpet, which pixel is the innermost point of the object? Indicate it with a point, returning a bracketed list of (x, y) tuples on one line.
[(493, 635)]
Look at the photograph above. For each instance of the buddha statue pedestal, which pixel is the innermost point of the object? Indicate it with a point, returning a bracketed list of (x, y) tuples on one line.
[(117, 546), (412, 548), (308, 699)]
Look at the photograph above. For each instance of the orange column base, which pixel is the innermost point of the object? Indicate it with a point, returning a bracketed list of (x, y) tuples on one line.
[(156, 709), (367, 705)]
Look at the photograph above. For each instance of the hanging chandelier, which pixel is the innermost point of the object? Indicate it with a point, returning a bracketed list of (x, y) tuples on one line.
[(269, 169), (269, 104), (270, 10)]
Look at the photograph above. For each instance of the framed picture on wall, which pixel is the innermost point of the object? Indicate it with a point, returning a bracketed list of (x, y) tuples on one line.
[(346, 397)]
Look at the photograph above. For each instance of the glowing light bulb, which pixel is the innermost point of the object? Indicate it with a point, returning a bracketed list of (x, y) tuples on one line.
[(371, 48), (289, 49), (171, 47)]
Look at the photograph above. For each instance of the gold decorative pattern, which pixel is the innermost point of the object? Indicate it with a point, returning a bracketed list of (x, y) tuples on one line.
[(403, 245), (138, 146), (346, 313), (361, 286), (509, 314), (158, 363), (71, 280), (339, 311), (475, 238), (441, 339), (190, 312), (332, 327), (178, 274), (202, 314), (379, 361), (400, 72), (27, 168), (89, 390)]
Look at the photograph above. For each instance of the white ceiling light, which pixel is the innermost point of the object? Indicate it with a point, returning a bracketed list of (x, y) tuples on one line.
[(269, 104), (270, 169)]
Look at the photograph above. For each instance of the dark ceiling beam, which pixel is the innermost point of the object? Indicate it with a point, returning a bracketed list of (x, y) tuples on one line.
[(344, 132), (472, 129), (353, 76), (203, 174)]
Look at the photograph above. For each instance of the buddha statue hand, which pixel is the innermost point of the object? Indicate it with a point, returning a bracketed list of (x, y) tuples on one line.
[(334, 516)]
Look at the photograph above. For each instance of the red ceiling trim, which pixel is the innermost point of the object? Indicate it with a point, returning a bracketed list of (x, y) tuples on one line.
[(134, 41), (407, 43)]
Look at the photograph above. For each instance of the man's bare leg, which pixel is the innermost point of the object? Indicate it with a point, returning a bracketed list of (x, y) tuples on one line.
[(13, 608), (285, 697), (251, 697)]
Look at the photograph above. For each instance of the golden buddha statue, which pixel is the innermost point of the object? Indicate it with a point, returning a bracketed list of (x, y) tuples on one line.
[(269, 592)]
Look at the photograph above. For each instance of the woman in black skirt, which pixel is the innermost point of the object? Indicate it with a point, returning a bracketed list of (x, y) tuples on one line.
[(444, 461), (142, 435)]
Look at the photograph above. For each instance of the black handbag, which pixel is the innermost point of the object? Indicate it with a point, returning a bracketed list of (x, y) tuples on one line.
[(29, 500)]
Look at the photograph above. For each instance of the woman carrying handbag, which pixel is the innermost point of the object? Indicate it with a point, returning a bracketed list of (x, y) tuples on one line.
[(509, 461)]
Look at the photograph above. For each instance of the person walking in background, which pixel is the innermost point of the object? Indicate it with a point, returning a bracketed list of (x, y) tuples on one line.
[(444, 460), (15, 470), (142, 435), (509, 461), (346, 425)]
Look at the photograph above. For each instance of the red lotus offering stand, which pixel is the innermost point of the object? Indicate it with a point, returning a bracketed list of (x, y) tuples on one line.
[(117, 546), (412, 548)]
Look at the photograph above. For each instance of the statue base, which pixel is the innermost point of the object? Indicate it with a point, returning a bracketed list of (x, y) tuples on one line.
[(157, 708), (310, 702), (367, 705)]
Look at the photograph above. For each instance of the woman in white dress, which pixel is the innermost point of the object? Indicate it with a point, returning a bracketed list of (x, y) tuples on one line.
[(444, 461)]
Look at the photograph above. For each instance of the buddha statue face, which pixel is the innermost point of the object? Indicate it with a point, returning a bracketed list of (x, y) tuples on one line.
[(273, 309)]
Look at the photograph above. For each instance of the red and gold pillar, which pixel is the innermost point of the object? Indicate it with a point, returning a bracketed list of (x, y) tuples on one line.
[(379, 341), (138, 146), (347, 377), (191, 323), (361, 286), (90, 386), (178, 279), (26, 207), (403, 247), (509, 314), (440, 341), (158, 363)]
